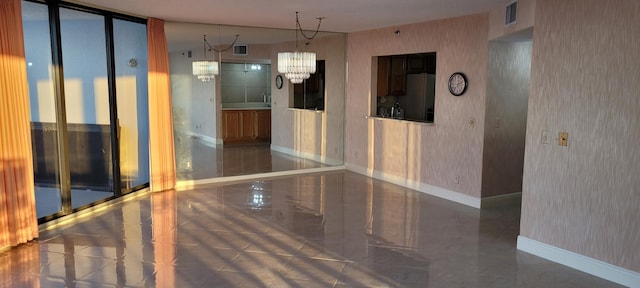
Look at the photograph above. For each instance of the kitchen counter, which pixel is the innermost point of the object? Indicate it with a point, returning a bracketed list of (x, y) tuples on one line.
[(402, 120), (247, 106)]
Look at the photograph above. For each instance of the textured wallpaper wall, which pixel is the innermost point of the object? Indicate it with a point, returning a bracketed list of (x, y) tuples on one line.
[(191, 98), (432, 154), (585, 81), (506, 117)]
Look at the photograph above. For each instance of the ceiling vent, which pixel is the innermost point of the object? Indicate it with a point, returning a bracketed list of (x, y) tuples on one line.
[(511, 13), (241, 50)]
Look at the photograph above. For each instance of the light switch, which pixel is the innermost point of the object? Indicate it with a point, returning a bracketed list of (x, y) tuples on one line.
[(545, 137), (563, 139)]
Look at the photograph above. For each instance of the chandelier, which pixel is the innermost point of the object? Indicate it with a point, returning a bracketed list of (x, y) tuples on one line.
[(297, 66), (205, 70)]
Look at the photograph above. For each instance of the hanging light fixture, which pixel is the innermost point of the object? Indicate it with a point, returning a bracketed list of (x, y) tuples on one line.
[(296, 65), (205, 70)]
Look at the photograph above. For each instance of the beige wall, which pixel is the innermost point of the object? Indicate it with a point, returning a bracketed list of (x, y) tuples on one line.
[(312, 134), (506, 117), (585, 80), (193, 101), (433, 154)]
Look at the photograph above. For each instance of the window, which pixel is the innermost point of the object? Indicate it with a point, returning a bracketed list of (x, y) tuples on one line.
[(310, 93), (102, 147), (406, 86), (245, 83)]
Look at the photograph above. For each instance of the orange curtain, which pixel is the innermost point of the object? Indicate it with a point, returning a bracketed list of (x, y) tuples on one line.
[(18, 220), (162, 157)]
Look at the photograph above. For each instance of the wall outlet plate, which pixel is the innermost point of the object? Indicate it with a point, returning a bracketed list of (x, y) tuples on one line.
[(563, 139)]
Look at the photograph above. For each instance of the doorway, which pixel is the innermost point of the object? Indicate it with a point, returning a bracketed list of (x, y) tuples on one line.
[(508, 77)]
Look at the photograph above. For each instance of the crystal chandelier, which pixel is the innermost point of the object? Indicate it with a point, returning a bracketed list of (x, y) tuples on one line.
[(297, 66), (205, 70)]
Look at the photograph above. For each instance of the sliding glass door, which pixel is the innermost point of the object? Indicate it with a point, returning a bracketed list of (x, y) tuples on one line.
[(130, 47), (88, 88), (86, 93), (37, 43)]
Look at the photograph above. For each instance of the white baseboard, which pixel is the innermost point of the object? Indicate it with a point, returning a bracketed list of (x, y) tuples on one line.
[(454, 196), (580, 262), (207, 140), (499, 200), (310, 156)]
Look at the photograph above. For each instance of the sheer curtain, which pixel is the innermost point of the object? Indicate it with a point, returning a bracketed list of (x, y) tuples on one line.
[(162, 157), (18, 220)]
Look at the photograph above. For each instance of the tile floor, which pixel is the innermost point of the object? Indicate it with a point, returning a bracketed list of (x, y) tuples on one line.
[(333, 229)]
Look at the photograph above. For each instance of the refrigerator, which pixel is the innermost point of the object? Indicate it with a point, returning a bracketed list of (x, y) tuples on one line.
[(419, 100)]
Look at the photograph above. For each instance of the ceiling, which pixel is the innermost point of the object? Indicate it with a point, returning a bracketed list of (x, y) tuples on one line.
[(340, 15)]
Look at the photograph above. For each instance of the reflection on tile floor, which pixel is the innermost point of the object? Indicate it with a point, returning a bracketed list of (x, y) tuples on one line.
[(336, 229), (196, 160)]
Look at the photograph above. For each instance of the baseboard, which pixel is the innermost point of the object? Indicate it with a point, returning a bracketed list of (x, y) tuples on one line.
[(207, 140), (501, 200), (190, 184), (310, 156), (419, 186), (580, 262)]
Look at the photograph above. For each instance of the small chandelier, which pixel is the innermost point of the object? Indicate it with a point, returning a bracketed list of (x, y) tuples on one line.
[(205, 70), (297, 66)]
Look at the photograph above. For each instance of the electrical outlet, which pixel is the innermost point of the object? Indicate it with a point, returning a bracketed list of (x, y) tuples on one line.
[(497, 122), (563, 139), (456, 179)]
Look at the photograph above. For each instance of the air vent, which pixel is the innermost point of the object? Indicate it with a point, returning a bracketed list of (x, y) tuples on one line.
[(240, 50), (511, 13)]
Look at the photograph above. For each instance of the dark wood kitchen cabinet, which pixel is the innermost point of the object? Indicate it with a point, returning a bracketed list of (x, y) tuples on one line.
[(236, 126), (392, 75), (384, 67), (246, 126), (398, 82), (421, 63), (263, 125)]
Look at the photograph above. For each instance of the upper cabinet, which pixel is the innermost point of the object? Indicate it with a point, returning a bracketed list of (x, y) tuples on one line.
[(384, 67), (398, 82), (392, 75), (421, 63)]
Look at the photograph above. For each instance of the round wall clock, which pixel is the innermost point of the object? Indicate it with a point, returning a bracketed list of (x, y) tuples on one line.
[(279, 81), (457, 84)]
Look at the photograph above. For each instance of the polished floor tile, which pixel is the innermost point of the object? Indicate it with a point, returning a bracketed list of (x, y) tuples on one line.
[(334, 229)]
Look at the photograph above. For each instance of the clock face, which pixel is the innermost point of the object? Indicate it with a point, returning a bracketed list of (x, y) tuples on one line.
[(279, 81), (457, 84)]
